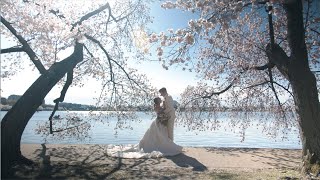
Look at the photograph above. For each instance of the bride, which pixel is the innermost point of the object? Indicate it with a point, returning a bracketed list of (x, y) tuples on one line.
[(155, 142)]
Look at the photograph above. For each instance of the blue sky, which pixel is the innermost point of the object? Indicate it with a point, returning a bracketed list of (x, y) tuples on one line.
[(173, 79)]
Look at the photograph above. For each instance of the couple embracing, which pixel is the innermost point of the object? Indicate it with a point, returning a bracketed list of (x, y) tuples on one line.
[(159, 136), (158, 139)]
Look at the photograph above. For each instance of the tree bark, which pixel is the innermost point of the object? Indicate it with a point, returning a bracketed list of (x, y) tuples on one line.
[(16, 119), (304, 88), (308, 110), (295, 68)]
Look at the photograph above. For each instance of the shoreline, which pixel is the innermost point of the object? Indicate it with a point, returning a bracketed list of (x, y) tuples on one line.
[(222, 148)]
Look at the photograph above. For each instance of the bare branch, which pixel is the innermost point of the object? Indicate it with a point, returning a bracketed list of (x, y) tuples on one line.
[(65, 87), (263, 67), (32, 55), (275, 92), (317, 32), (11, 50), (283, 88), (61, 98)]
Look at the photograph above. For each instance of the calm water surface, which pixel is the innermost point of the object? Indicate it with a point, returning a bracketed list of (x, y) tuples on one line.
[(104, 133)]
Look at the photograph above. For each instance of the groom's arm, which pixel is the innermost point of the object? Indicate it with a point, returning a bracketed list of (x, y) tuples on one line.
[(168, 105)]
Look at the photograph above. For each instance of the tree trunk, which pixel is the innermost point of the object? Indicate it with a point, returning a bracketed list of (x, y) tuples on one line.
[(304, 88), (308, 110), (15, 120)]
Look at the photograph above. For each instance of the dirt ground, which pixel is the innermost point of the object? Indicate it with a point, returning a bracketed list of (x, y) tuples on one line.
[(58, 161)]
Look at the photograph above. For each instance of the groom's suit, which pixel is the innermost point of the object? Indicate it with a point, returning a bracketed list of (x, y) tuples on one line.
[(169, 110)]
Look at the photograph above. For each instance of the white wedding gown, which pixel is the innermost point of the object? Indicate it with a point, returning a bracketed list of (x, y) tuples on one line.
[(155, 143)]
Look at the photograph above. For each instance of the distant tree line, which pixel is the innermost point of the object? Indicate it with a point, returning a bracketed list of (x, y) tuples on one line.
[(12, 99), (64, 106)]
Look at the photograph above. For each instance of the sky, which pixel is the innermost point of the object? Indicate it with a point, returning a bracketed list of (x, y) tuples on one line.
[(173, 79)]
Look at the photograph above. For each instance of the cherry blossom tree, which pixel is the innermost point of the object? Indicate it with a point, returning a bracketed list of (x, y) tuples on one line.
[(102, 38), (250, 55)]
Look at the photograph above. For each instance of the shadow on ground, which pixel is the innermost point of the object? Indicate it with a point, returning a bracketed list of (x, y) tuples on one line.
[(91, 162), (185, 161)]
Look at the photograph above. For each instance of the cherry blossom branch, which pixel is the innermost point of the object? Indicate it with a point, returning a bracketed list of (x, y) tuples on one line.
[(105, 51), (105, 84), (112, 79), (90, 14), (255, 85), (209, 96), (271, 33), (266, 82), (220, 92), (85, 17), (26, 48), (260, 2), (91, 55), (70, 74), (60, 130), (275, 53), (276, 95), (110, 60), (272, 86), (121, 18), (244, 5)]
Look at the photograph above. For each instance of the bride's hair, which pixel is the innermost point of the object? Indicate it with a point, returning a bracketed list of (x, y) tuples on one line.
[(157, 100)]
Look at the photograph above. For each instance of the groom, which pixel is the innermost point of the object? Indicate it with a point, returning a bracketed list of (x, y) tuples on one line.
[(169, 110)]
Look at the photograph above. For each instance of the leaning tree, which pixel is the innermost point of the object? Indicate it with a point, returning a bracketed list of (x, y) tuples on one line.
[(251, 55), (79, 40)]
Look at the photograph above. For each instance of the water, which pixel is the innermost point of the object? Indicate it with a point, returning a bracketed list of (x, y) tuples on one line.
[(104, 133)]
